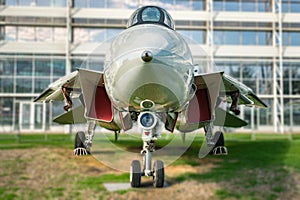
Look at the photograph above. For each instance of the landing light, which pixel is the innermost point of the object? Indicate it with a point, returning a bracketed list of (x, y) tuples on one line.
[(147, 120), (147, 104)]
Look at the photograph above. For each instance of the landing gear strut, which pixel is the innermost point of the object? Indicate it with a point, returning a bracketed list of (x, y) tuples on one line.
[(149, 123)]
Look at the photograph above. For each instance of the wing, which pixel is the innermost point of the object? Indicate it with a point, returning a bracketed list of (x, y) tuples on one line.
[(54, 92), (89, 87), (246, 95), (216, 84)]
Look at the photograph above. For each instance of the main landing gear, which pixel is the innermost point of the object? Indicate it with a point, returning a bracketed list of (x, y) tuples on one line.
[(149, 124), (83, 142), (215, 141)]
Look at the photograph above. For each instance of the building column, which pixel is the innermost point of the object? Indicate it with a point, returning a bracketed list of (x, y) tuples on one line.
[(278, 103)]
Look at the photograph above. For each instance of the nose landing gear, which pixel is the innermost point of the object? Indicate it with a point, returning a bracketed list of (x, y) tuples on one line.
[(148, 122)]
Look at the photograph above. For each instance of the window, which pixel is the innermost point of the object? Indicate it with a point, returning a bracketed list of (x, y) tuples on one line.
[(7, 67), (242, 38), (218, 5), (60, 34), (248, 6), (80, 4), (290, 6), (197, 5), (48, 3), (10, 33), (6, 85), (218, 37), (96, 4), (24, 68), (44, 34), (43, 3), (25, 34), (192, 36), (78, 64), (291, 38), (295, 38), (105, 4), (11, 2), (59, 68), (231, 5), (40, 84), (24, 85), (264, 38), (59, 3), (27, 3), (265, 114), (232, 37), (94, 34), (35, 34), (96, 64), (7, 111), (248, 37), (42, 68), (242, 5), (296, 86)]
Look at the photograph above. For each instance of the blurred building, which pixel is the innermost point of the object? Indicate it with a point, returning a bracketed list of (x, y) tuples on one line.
[(257, 42)]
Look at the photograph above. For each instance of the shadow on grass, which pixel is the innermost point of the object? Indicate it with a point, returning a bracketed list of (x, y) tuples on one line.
[(253, 169)]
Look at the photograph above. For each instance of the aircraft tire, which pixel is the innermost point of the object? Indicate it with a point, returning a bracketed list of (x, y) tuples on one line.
[(135, 174), (79, 140), (159, 174), (219, 138)]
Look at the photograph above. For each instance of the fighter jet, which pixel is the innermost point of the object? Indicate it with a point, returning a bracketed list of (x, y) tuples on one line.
[(150, 81)]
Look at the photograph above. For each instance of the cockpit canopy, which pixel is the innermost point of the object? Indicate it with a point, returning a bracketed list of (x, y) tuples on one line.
[(151, 15)]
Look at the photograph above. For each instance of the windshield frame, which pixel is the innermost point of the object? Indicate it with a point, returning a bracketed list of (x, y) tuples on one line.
[(137, 18)]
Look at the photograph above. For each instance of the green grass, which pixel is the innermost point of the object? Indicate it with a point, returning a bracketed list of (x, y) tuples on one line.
[(249, 166), (27, 141), (96, 183), (254, 169)]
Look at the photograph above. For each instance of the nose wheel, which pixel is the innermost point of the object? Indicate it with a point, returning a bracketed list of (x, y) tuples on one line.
[(158, 174), (135, 173)]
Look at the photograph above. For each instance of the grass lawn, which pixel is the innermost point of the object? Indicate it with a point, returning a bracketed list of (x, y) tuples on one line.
[(44, 168)]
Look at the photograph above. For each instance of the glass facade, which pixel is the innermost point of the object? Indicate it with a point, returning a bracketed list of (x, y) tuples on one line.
[(29, 75), (58, 47), (41, 3), (243, 5), (242, 37), (94, 34)]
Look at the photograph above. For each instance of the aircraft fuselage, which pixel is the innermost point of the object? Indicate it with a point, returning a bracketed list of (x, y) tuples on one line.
[(149, 62)]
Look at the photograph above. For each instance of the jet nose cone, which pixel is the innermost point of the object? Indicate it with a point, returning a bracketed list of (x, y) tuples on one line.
[(147, 56)]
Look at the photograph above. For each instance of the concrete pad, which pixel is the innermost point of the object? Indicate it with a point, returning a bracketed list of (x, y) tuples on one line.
[(111, 187)]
